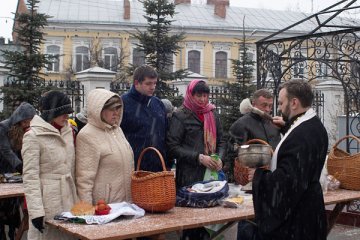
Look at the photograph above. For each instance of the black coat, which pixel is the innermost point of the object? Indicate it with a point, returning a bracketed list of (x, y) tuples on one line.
[(289, 202), (185, 141), (252, 126)]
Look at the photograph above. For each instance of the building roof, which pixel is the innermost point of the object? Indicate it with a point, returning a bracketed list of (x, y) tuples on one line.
[(188, 15)]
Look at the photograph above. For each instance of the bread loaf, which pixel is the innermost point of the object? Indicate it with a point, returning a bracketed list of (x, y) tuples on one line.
[(82, 208)]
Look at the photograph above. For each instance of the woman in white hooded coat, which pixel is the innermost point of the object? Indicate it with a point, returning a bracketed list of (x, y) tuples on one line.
[(49, 166), (104, 158)]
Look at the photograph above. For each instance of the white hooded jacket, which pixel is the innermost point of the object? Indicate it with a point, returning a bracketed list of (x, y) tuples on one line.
[(104, 158)]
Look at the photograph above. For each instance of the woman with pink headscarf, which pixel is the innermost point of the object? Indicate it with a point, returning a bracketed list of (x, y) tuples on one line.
[(195, 133)]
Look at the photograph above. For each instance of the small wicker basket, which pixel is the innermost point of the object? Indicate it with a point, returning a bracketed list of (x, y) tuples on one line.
[(241, 172), (153, 191), (344, 166)]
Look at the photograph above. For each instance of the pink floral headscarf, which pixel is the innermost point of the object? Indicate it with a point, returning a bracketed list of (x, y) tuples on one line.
[(209, 118)]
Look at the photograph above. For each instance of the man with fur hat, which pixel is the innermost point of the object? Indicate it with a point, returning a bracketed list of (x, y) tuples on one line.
[(11, 135), (49, 165)]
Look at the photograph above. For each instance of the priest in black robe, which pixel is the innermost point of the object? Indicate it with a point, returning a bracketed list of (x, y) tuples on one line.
[(287, 195)]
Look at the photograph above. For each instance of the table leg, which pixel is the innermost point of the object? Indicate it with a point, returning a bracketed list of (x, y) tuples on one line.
[(222, 230), (24, 225), (334, 215)]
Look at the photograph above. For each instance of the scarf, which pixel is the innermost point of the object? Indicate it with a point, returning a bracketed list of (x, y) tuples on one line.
[(209, 119), (310, 113)]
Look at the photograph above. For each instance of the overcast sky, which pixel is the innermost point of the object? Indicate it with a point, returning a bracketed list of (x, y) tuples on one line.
[(9, 6)]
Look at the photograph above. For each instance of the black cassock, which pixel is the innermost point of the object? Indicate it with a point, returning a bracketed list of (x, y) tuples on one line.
[(288, 202)]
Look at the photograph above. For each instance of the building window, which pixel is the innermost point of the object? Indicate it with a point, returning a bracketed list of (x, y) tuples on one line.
[(221, 64), (82, 58), (299, 70), (138, 57), (54, 51), (194, 61), (110, 58), (322, 71), (299, 67)]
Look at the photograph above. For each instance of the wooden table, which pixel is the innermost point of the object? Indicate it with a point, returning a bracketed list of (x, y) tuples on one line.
[(179, 219), (9, 190)]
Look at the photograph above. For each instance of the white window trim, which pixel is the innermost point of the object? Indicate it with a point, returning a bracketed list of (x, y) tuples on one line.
[(80, 42), (305, 74), (198, 46), (57, 42), (111, 42), (222, 47)]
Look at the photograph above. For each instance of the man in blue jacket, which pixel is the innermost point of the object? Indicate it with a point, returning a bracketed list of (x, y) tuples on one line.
[(144, 119)]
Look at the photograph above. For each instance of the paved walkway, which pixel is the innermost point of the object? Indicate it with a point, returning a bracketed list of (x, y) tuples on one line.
[(342, 232)]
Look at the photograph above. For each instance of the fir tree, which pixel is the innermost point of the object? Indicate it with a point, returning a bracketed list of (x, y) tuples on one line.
[(159, 45), (25, 65)]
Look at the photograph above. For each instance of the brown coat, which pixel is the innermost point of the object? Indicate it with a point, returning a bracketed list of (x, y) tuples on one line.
[(49, 167), (104, 158)]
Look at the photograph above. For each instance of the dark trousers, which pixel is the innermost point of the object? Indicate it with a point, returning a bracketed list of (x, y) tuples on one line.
[(195, 234), (248, 231)]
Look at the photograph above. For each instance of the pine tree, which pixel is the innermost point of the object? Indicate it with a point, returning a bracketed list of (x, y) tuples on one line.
[(159, 45), (243, 67), (25, 65)]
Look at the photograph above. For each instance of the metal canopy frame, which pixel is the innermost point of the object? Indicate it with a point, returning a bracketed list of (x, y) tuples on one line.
[(330, 51)]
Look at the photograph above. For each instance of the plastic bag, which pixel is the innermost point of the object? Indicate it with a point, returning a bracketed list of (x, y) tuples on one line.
[(333, 183)]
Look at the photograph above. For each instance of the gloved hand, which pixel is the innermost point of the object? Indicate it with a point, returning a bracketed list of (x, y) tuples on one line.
[(19, 168), (38, 223)]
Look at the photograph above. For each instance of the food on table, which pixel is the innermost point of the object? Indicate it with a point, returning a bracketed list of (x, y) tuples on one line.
[(237, 200), (82, 208), (102, 208)]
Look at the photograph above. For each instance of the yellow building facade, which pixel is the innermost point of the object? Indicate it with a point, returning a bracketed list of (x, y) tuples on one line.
[(88, 33)]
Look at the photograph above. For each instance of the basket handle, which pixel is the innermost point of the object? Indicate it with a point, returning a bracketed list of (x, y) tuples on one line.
[(343, 138), (256, 140), (142, 154)]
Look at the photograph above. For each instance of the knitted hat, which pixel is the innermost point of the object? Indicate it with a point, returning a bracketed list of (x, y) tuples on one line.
[(54, 104), (112, 102)]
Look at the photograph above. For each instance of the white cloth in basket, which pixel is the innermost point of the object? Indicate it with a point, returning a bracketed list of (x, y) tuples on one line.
[(210, 187)]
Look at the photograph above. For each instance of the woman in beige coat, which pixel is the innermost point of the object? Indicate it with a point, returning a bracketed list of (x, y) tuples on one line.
[(104, 158), (49, 166)]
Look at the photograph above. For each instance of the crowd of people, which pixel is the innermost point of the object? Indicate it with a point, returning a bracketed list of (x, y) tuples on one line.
[(93, 156)]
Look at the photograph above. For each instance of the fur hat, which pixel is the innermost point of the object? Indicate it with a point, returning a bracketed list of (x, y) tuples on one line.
[(169, 108), (112, 102), (54, 104)]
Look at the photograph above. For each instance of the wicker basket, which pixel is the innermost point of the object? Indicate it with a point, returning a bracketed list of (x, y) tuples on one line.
[(344, 166), (241, 172), (153, 191)]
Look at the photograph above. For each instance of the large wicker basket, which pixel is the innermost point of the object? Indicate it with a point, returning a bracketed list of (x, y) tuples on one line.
[(153, 191), (344, 166), (241, 172)]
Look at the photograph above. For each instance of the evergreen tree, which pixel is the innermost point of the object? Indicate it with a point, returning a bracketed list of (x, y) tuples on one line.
[(25, 65), (243, 67), (159, 45)]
